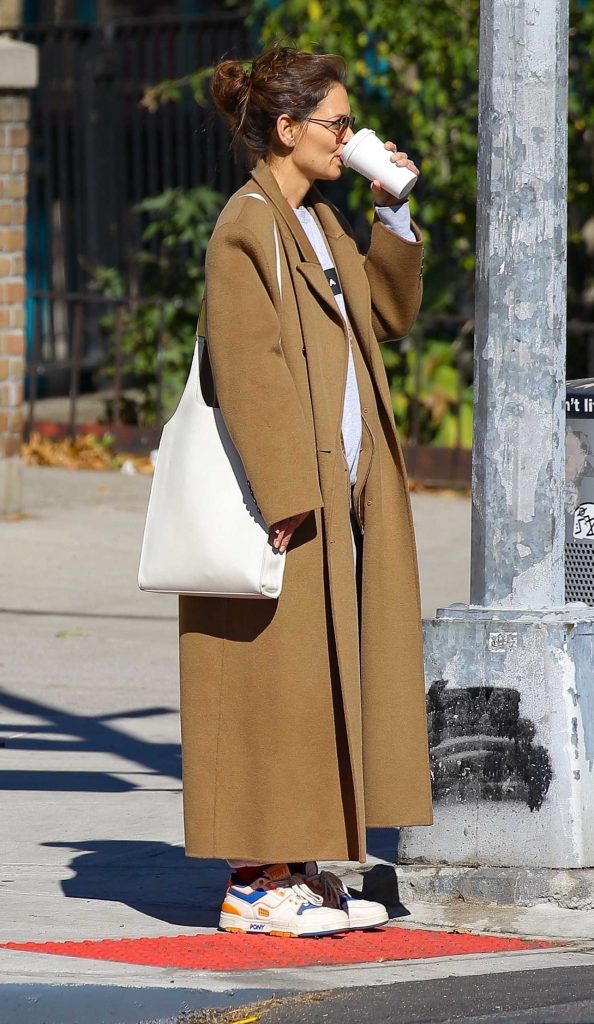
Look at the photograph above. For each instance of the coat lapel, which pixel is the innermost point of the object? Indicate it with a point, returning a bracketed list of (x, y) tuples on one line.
[(357, 297), (346, 257), (348, 263), (264, 177), (309, 266)]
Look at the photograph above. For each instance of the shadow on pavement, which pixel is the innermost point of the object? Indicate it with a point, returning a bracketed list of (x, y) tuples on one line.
[(68, 731), (65, 782), (53, 613), (153, 878), (158, 880)]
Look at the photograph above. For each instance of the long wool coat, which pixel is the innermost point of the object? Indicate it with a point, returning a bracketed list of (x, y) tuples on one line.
[(295, 736)]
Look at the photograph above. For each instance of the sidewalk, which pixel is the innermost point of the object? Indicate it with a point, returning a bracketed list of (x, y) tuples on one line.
[(91, 839)]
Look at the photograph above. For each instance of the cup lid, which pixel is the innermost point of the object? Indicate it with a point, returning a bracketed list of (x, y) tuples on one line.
[(354, 142)]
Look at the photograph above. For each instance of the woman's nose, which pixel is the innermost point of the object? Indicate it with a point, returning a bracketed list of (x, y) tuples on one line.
[(348, 136)]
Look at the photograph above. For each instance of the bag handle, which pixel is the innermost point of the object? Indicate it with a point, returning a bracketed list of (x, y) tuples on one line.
[(256, 195)]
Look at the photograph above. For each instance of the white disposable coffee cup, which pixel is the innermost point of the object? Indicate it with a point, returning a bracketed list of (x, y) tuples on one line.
[(365, 153)]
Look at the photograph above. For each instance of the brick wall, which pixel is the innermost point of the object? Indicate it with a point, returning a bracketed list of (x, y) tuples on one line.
[(14, 111)]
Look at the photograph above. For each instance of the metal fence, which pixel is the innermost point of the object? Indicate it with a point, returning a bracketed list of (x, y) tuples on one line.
[(95, 153), (427, 463)]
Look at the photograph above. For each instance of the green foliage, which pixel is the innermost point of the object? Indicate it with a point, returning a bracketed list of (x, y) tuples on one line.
[(413, 77), (172, 90), (158, 334), (581, 158), (431, 396)]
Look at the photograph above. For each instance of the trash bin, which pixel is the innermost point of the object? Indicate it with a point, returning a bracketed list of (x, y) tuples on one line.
[(579, 493)]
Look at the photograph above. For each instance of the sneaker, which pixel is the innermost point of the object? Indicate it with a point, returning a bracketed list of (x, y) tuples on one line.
[(361, 913), (271, 908)]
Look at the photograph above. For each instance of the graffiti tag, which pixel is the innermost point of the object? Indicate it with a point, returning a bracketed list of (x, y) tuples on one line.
[(482, 748), (502, 642), (583, 521)]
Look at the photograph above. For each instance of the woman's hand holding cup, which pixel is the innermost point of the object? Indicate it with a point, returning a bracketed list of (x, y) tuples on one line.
[(380, 196), (391, 173)]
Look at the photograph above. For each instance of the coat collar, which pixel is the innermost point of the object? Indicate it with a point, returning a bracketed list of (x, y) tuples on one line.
[(346, 258), (264, 177)]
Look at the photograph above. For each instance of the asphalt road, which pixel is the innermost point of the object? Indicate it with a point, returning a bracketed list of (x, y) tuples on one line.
[(561, 996)]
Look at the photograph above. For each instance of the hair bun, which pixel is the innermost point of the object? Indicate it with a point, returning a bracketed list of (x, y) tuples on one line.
[(230, 83), (280, 80)]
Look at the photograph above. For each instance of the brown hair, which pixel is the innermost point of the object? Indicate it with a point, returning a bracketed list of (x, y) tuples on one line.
[(281, 80)]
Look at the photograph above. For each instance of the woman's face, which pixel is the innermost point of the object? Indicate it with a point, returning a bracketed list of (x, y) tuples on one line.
[(317, 146)]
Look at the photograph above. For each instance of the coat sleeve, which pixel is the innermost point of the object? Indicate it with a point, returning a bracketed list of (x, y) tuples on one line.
[(254, 387), (394, 268)]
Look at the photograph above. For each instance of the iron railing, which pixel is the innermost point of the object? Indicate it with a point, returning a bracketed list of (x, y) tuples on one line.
[(67, 416), (96, 152)]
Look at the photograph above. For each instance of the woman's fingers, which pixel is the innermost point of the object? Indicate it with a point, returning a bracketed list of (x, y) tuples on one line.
[(282, 532), (282, 536), (400, 158)]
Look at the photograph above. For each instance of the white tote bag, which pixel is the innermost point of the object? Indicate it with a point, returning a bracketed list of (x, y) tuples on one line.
[(204, 533)]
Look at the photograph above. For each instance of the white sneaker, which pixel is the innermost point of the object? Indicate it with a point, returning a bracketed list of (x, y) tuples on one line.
[(292, 910), (361, 913)]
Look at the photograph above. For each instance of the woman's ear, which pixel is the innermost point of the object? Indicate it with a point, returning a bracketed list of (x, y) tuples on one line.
[(285, 131)]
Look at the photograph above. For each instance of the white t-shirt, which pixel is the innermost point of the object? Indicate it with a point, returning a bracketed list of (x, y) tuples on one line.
[(398, 219)]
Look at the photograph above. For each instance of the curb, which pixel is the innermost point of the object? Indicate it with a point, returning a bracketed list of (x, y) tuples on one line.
[(159, 996), (570, 889)]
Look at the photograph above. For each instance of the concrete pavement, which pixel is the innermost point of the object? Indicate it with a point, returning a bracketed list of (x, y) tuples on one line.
[(91, 837)]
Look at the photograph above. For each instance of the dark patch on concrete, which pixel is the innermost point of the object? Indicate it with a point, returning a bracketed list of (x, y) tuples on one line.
[(574, 733), (380, 884), (482, 749)]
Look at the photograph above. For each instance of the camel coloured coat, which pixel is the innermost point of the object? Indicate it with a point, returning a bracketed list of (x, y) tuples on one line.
[(295, 736)]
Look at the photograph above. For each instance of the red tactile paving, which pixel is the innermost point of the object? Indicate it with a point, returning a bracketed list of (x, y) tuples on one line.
[(226, 952)]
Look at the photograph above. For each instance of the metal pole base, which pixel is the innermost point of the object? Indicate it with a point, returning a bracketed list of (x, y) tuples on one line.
[(510, 696)]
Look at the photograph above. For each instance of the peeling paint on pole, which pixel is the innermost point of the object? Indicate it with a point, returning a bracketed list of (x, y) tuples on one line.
[(510, 685), (510, 707), (518, 456)]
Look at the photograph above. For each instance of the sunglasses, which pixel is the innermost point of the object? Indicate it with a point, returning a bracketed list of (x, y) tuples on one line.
[(339, 126)]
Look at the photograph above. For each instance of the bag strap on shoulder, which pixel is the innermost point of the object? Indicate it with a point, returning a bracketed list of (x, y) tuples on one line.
[(201, 327), (256, 195)]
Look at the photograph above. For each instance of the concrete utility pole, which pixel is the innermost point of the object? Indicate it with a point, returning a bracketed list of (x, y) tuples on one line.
[(510, 677), (518, 527)]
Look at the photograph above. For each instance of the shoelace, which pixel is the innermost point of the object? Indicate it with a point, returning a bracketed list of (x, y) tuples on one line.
[(323, 888), (298, 886), (305, 893), (331, 888)]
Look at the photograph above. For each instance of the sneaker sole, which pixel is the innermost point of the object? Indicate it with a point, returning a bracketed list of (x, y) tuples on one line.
[(369, 921), (229, 923)]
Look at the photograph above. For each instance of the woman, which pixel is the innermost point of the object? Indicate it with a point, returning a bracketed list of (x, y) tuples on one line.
[(303, 719)]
